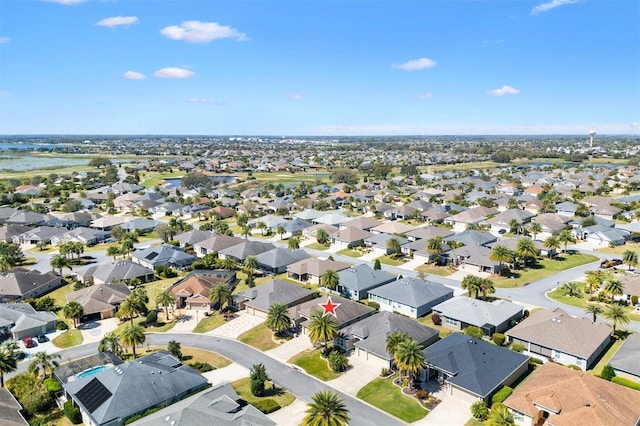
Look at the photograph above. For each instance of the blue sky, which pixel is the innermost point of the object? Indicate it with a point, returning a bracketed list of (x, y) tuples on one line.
[(353, 67)]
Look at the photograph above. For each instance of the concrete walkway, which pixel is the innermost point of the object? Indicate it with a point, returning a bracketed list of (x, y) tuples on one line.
[(188, 321), (412, 264), (292, 347), (237, 326), (291, 415), (361, 373), (228, 374), (451, 411)]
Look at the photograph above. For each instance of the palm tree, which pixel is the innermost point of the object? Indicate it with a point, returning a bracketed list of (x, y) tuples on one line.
[(500, 416), (501, 254), (434, 247), (486, 287), (535, 228), (294, 243), (245, 231), (261, 226), (73, 310), (527, 249), (5, 265), (60, 261), (471, 283), (281, 231), (327, 409), (42, 362), (330, 279), (594, 309), (617, 314), (394, 245), (220, 294), (165, 299), (565, 237), (594, 279), (322, 236), (322, 328), (110, 342), (551, 243), (630, 257), (250, 265), (614, 287), (132, 335), (393, 340), (229, 263), (127, 309), (114, 251), (572, 288), (278, 318), (409, 357), (8, 363), (514, 226)]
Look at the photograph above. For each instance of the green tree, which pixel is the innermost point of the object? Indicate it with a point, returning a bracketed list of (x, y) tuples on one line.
[(322, 328), (500, 416), (501, 254), (572, 289), (338, 361), (614, 287), (257, 376), (280, 230), (99, 162), (73, 310), (473, 331), (11, 253), (551, 243), (630, 258), (330, 279), (114, 251), (526, 249), (471, 283), (166, 300), (250, 265), (479, 410), (393, 340), (174, 349), (322, 236), (278, 319), (486, 287), (565, 237), (59, 262), (110, 342), (42, 361), (594, 310), (163, 231), (8, 363), (617, 315), (594, 279), (220, 294), (535, 228), (608, 372), (326, 409), (376, 265), (132, 335), (434, 248), (294, 243), (409, 357), (393, 245)]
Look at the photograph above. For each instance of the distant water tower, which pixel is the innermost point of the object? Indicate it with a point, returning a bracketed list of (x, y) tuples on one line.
[(592, 133)]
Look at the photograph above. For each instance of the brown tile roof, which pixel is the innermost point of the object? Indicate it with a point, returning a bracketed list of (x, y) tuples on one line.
[(196, 284), (556, 329), (575, 398)]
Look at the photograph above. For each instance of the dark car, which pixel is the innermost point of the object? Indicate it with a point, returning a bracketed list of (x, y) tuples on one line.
[(42, 338), (29, 342), (19, 355)]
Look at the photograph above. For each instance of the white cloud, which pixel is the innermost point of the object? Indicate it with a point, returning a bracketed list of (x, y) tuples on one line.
[(425, 95), (200, 101), (173, 72), (545, 7), (504, 90), (415, 64), (65, 2), (201, 32), (4, 40), (634, 124), (295, 97), (117, 21), (133, 75)]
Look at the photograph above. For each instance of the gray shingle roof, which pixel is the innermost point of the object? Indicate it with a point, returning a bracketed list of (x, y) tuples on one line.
[(412, 292), (17, 282), (279, 257), (24, 317), (117, 271), (247, 248), (626, 359), (476, 366), (274, 291), (478, 312), (363, 277)]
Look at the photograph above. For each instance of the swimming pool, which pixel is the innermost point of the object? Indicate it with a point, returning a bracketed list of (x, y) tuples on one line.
[(91, 371)]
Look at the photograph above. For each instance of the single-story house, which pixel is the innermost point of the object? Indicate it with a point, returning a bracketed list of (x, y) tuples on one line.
[(165, 255), (492, 317), (473, 256), (367, 338), (625, 361), (472, 369), (347, 312), (100, 301), (41, 234), (21, 284), (412, 297), (86, 236), (379, 243), (240, 252), (193, 237), (118, 271), (349, 237), (554, 334), (192, 291), (10, 410), (356, 281), (311, 269), (557, 395), (259, 299), (214, 244), (20, 320), (276, 261), (113, 395)]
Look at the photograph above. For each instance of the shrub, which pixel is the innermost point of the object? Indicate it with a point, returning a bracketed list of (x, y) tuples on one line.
[(422, 394), (62, 325), (385, 372), (31, 393), (435, 318), (501, 395), (517, 347), (574, 367), (525, 313), (267, 406), (473, 331), (201, 367), (498, 338), (338, 362), (72, 412), (608, 373), (626, 382), (634, 300), (152, 317), (374, 305), (174, 349), (52, 385), (479, 410)]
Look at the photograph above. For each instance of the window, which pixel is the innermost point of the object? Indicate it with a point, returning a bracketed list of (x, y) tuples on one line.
[(450, 321), (579, 362), (517, 416)]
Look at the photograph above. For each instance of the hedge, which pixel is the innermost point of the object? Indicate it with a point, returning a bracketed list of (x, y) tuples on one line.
[(626, 382), (501, 395), (267, 405), (52, 385), (498, 338), (72, 412)]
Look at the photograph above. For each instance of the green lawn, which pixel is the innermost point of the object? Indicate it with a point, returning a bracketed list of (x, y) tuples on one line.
[(209, 323), (544, 268), (581, 302), (154, 178), (620, 249), (474, 422), (443, 271), (316, 246), (279, 395), (162, 328), (314, 364), (597, 370), (390, 260), (68, 338), (382, 393), (190, 354), (350, 252), (260, 337)]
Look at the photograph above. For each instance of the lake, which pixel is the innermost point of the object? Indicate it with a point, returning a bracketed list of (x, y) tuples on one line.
[(20, 163), (221, 180)]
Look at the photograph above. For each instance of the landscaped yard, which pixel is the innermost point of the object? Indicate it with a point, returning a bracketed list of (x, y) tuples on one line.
[(621, 249), (316, 246), (260, 337), (68, 339), (426, 320), (544, 268), (279, 395), (597, 370), (209, 323), (350, 252), (443, 271), (390, 260), (190, 355), (314, 364), (161, 328), (382, 393), (559, 295)]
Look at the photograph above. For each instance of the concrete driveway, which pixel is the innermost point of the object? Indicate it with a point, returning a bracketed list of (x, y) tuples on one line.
[(95, 331), (360, 373), (290, 348), (237, 326), (451, 411), (291, 415)]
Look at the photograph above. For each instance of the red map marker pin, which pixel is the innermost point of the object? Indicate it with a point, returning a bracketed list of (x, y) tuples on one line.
[(329, 307)]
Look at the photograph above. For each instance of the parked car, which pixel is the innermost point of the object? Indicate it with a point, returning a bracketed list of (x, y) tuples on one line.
[(29, 342), (42, 338), (19, 355), (610, 263)]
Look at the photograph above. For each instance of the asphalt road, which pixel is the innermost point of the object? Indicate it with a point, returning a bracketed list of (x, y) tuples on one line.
[(298, 383)]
